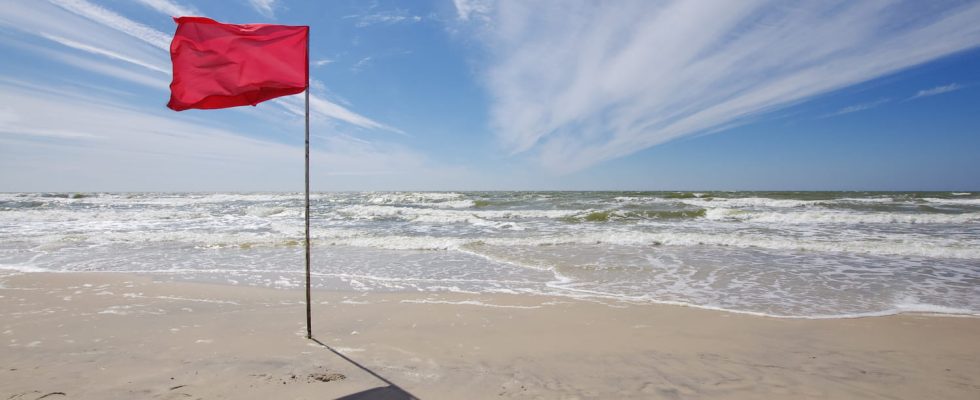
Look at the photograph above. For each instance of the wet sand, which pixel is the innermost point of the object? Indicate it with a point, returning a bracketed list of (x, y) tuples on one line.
[(118, 336)]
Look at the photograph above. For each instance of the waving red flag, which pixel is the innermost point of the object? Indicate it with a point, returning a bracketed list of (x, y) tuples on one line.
[(220, 65)]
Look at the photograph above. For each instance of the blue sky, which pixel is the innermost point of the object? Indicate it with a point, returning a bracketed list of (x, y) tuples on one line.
[(479, 95)]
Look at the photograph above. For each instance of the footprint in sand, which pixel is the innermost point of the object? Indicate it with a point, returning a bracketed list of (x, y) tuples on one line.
[(320, 376), (324, 377)]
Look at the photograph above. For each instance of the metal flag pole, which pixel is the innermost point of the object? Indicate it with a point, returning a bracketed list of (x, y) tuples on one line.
[(309, 329)]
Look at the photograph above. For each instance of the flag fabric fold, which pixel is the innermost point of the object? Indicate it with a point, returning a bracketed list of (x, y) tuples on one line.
[(219, 65)]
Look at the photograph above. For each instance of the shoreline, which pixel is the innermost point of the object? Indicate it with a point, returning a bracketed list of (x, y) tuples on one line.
[(778, 255), (611, 300), (116, 335)]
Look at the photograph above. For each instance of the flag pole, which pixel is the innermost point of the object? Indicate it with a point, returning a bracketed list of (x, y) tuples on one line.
[(309, 329)]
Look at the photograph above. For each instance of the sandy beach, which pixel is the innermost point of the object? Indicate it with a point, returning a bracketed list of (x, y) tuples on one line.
[(502, 199), (120, 336)]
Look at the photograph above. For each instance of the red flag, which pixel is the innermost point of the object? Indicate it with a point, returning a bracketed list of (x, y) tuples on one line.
[(225, 65)]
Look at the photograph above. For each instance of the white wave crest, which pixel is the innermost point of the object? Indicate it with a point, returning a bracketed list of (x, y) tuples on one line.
[(437, 199), (899, 245), (839, 217), (749, 202), (431, 215), (957, 202)]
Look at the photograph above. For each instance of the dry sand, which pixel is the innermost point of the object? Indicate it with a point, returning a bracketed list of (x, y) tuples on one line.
[(116, 336)]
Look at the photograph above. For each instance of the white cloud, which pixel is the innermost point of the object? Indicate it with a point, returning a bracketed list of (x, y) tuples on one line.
[(139, 76), (938, 90), (104, 52), (170, 8), (858, 107), (361, 64), (99, 144), (70, 29), (111, 19), (317, 85), (578, 83), (108, 69), (321, 62), (321, 108), (465, 9), (265, 7), (56, 25), (386, 17)]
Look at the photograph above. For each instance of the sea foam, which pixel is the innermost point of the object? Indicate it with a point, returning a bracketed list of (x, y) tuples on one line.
[(805, 254)]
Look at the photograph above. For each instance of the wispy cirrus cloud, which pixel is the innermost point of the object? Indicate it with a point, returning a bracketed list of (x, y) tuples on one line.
[(104, 52), (105, 144), (361, 64), (390, 17), (321, 108), (112, 19), (577, 83), (265, 7), (465, 9), (109, 69), (170, 8), (952, 87), (858, 107), (99, 36), (138, 45)]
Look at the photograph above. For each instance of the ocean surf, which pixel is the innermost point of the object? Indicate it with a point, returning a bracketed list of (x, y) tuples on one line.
[(780, 254)]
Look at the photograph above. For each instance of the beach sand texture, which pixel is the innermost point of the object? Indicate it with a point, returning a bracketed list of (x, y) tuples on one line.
[(120, 336)]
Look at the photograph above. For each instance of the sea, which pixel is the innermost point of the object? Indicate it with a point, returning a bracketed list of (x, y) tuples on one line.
[(778, 254)]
